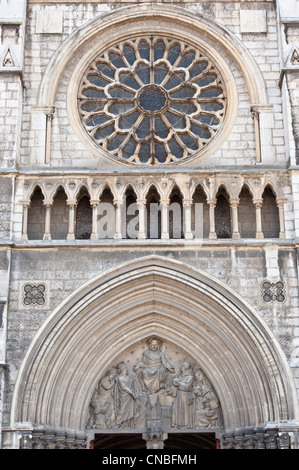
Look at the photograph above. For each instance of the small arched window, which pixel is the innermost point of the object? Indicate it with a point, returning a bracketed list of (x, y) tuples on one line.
[(36, 216), (59, 216), (247, 215), (83, 217), (270, 214), (223, 215)]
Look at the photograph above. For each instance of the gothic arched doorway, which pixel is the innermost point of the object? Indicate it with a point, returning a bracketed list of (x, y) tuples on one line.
[(109, 320)]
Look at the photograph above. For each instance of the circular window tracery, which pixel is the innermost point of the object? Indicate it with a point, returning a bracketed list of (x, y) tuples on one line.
[(152, 100)]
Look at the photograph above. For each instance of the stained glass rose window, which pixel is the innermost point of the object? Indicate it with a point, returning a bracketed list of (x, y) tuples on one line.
[(152, 100)]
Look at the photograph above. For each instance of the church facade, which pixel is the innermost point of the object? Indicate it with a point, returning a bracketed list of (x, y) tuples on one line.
[(149, 222)]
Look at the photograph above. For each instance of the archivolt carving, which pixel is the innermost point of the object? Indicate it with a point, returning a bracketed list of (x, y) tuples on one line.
[(153, 393)]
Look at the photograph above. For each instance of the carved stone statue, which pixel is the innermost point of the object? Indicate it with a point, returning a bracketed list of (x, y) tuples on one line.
[(153, 367), (102, 403), (182, 408), (142, 394), (126, 398), (206, 407)]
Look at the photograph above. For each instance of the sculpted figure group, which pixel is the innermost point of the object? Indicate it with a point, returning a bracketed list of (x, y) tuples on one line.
[(122, 398)]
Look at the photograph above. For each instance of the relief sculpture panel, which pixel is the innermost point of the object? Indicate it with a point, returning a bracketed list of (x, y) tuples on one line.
[(154, 386)]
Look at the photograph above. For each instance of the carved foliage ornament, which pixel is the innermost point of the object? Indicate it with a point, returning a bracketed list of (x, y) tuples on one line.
[(153, 395), (152, 100)]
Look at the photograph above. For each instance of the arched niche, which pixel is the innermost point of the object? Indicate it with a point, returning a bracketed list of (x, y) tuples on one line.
[(176, 215), (59, 215), (247, 215), (83, 216), (223, 214), (153, 213), (131, 225), (36, 215), (90, 331), (270, 214), (200, 213)]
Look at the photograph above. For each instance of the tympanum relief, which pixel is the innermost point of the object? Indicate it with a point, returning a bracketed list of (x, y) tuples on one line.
[(152, 390)]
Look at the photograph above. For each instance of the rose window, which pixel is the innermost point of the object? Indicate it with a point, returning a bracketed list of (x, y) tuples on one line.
[(152, 101)]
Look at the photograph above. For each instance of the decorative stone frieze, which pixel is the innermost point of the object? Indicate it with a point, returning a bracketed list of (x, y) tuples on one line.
[(52, 438), (211, 185)]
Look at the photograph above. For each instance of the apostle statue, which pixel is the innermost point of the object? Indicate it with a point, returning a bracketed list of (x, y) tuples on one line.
[(126, 398), (206, 407), (182, 407), (153, 367), (102, 403)]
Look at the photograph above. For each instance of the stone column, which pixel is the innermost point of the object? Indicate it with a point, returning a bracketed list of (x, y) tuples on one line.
[(71, 231), (164, 219), (47, 234), (187, 204), (142, 218), (256, 120), (26, 205), (283, 440), (49, 117), (234, 206), (94, 234), (118, 212), (212, 204), (258, 217), (280, 204), (271, 439)]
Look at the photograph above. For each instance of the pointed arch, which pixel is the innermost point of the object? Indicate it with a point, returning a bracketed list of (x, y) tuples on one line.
[(83, 187), (83, 223), (59, 214), (105, 189), (36, 214), (176, 215), (200, 213), (152, 188), (223, 213), (246, 213), (199, 186), (131, 213), (36, 186), (270, 213), (93, 327), (153, 199)]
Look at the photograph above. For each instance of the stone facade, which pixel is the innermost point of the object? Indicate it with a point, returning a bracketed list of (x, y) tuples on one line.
[(88, 277)]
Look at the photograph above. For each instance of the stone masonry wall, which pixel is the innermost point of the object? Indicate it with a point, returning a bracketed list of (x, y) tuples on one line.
[(11, 99)]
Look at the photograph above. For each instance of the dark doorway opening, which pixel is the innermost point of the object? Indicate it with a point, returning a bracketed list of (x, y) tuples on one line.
[(196, 441), (175, 441), (119, 442)]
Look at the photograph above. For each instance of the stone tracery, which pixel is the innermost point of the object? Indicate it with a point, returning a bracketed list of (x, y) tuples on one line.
[(151, 100)]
